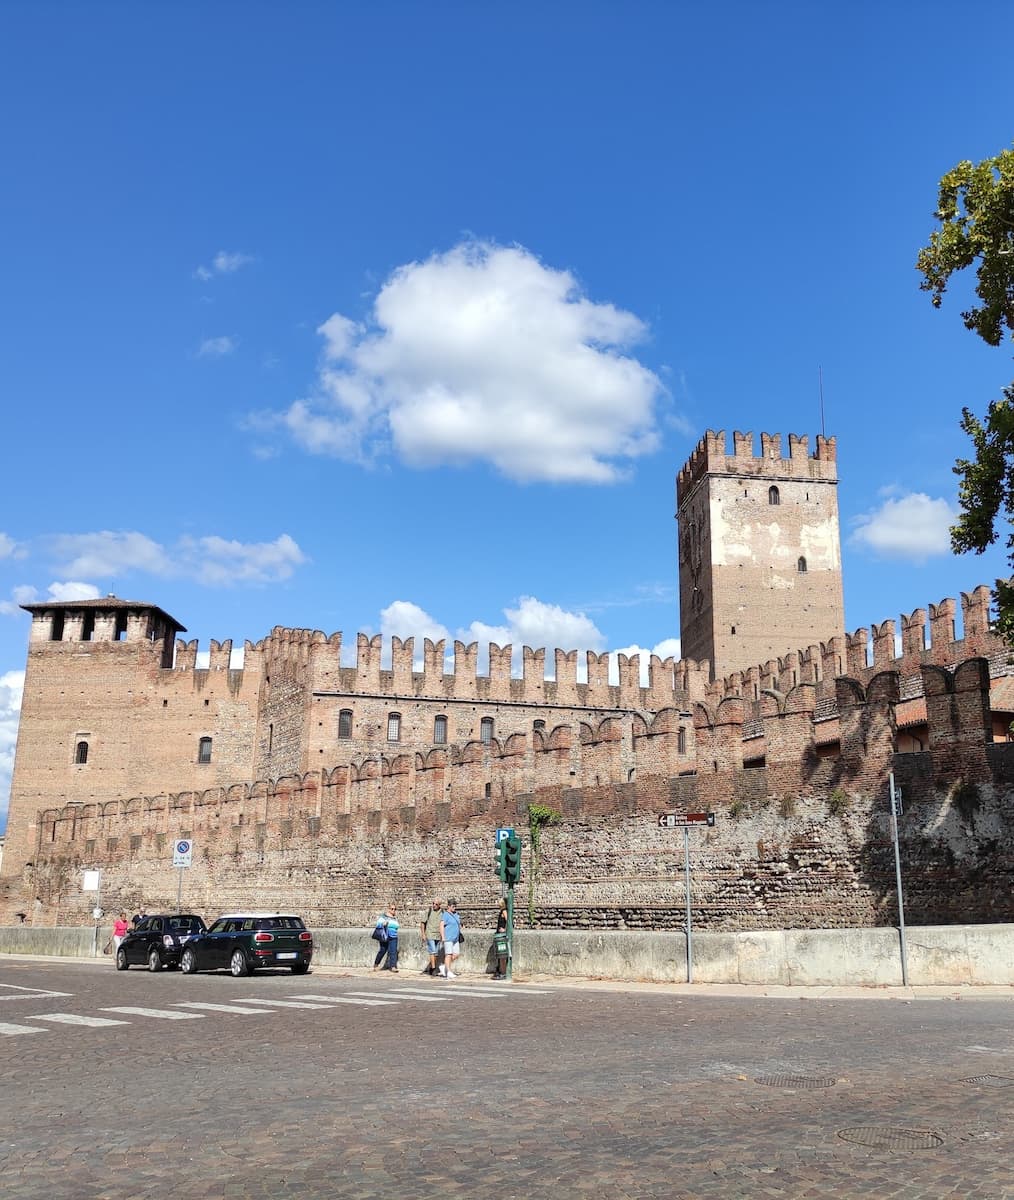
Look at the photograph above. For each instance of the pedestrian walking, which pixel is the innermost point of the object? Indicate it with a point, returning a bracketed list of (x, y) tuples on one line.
[(429, 927), (120, 927), (501, 943), (387, 929), (450, 934)]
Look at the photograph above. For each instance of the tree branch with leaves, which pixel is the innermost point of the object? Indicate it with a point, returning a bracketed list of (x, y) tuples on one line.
[(975, 209)]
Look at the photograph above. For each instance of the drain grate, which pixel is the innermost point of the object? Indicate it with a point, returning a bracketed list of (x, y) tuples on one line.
[(991, 1080), (795, 1081), (879, 1137)]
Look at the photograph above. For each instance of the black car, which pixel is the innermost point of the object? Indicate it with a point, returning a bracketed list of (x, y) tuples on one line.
[(243, 941), (158, 941)]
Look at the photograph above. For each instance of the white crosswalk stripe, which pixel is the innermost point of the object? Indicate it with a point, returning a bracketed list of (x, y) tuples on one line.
[(427, 994), (345, 1000), (405, 996), (76, 1019), (8, 1030), (226, 1008), (496, 991), (163, 1014), (279, 1003)]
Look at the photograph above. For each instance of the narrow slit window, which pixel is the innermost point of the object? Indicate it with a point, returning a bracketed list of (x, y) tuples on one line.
[(801, 566), (486, 730), (681, 741), (345, 723), (204, 750), (440, 731), (774, 496), (81, 753), (394, 727)]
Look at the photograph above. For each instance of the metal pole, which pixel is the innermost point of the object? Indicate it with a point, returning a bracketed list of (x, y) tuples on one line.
[(179, 893), (895, 809), (510, 931), (686, 888)]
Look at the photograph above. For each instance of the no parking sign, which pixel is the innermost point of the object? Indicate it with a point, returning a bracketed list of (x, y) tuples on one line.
[(183, 852)]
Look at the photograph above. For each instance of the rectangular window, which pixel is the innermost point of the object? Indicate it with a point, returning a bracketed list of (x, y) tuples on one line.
[(440, 731), (486, 730), (345, 723), (393, 727), (204, 750)]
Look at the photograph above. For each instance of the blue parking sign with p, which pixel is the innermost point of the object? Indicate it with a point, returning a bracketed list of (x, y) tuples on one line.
[(503, 834)]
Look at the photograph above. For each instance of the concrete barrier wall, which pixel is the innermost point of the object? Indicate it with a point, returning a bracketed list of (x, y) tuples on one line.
[(937, 954)]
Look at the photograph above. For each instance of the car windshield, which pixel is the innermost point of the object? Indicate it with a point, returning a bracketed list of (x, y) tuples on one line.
[(186, 924)]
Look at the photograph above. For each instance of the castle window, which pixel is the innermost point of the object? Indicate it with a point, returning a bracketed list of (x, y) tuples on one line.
[(271, 737), (88, 625), (56, 631), (81, 753), (204, 750), (540, 725), (681, 741), (345, 723), (773, 495), (488, 790), (120, 631), (733, 631), (440, 731), (165, 703), (394, 727), (486, 730), (801, 566)]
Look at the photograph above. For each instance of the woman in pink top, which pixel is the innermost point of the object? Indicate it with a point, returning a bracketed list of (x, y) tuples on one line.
[(120, 928)]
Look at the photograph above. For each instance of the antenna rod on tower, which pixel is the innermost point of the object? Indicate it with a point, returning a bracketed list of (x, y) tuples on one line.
[(820, 389)]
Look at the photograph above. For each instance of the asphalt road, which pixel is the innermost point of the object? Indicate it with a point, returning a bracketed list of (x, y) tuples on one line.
[(122, 1085)]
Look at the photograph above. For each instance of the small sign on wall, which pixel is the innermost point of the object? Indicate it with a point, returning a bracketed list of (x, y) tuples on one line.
[(183, 852)]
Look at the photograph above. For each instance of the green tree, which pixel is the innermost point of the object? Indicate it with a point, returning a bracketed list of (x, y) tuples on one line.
[(975, 208)]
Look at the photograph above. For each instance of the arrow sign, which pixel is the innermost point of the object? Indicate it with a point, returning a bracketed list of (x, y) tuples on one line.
[(684, 820)]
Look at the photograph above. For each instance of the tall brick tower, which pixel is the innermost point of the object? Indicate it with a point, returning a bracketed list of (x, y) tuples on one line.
[(759, 550)]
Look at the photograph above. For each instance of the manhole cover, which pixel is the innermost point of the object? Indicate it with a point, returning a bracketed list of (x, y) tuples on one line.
[(991, 1080), (795, 1081), (880, 1138)]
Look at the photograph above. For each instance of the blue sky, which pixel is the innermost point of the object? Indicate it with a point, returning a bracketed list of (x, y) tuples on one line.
[(403, 317)]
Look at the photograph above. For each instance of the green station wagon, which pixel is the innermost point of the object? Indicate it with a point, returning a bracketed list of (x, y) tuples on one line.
[(245, 941)]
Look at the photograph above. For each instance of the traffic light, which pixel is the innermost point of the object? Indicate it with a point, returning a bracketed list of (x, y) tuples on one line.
[(512, 859), (500, 861)]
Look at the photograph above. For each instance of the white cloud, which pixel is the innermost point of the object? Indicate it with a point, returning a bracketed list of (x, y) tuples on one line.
[(73, 590), (224, 263), (217, 562), (26, 594), (667, 648), (910, 527), (217, 347), (404, 619), (483, 354), (7, 546), (213, 561), (12, 685)]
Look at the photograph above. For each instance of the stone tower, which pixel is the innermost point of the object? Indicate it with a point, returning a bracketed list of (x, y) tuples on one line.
[(759, 550), (105, 716)]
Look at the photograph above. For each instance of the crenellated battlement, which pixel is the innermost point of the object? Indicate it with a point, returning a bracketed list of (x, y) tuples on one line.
[(317, 659), (928, 637), (710, 457)]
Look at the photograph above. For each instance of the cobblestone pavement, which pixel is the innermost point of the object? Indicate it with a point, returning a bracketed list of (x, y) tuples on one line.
[(526, 1090)]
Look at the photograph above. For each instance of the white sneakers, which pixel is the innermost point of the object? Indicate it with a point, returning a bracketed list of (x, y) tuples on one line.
[(450, 975), (443, 971)]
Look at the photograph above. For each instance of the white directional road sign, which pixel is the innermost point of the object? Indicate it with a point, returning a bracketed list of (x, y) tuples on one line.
[(684, 820), (183, 852)]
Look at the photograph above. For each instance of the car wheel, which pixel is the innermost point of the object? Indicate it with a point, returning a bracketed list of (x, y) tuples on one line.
[(188, 963), (238, 964), (300, 968), (154, 961), (121, 959)]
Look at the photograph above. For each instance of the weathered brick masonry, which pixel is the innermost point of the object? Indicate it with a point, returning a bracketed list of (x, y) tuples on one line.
[(331, 788)]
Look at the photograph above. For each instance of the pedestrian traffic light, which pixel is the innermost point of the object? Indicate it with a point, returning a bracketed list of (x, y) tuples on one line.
[(512, 859), (500, 861)]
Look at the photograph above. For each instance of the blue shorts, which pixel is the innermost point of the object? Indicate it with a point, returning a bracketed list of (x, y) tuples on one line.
[(431, 945)]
